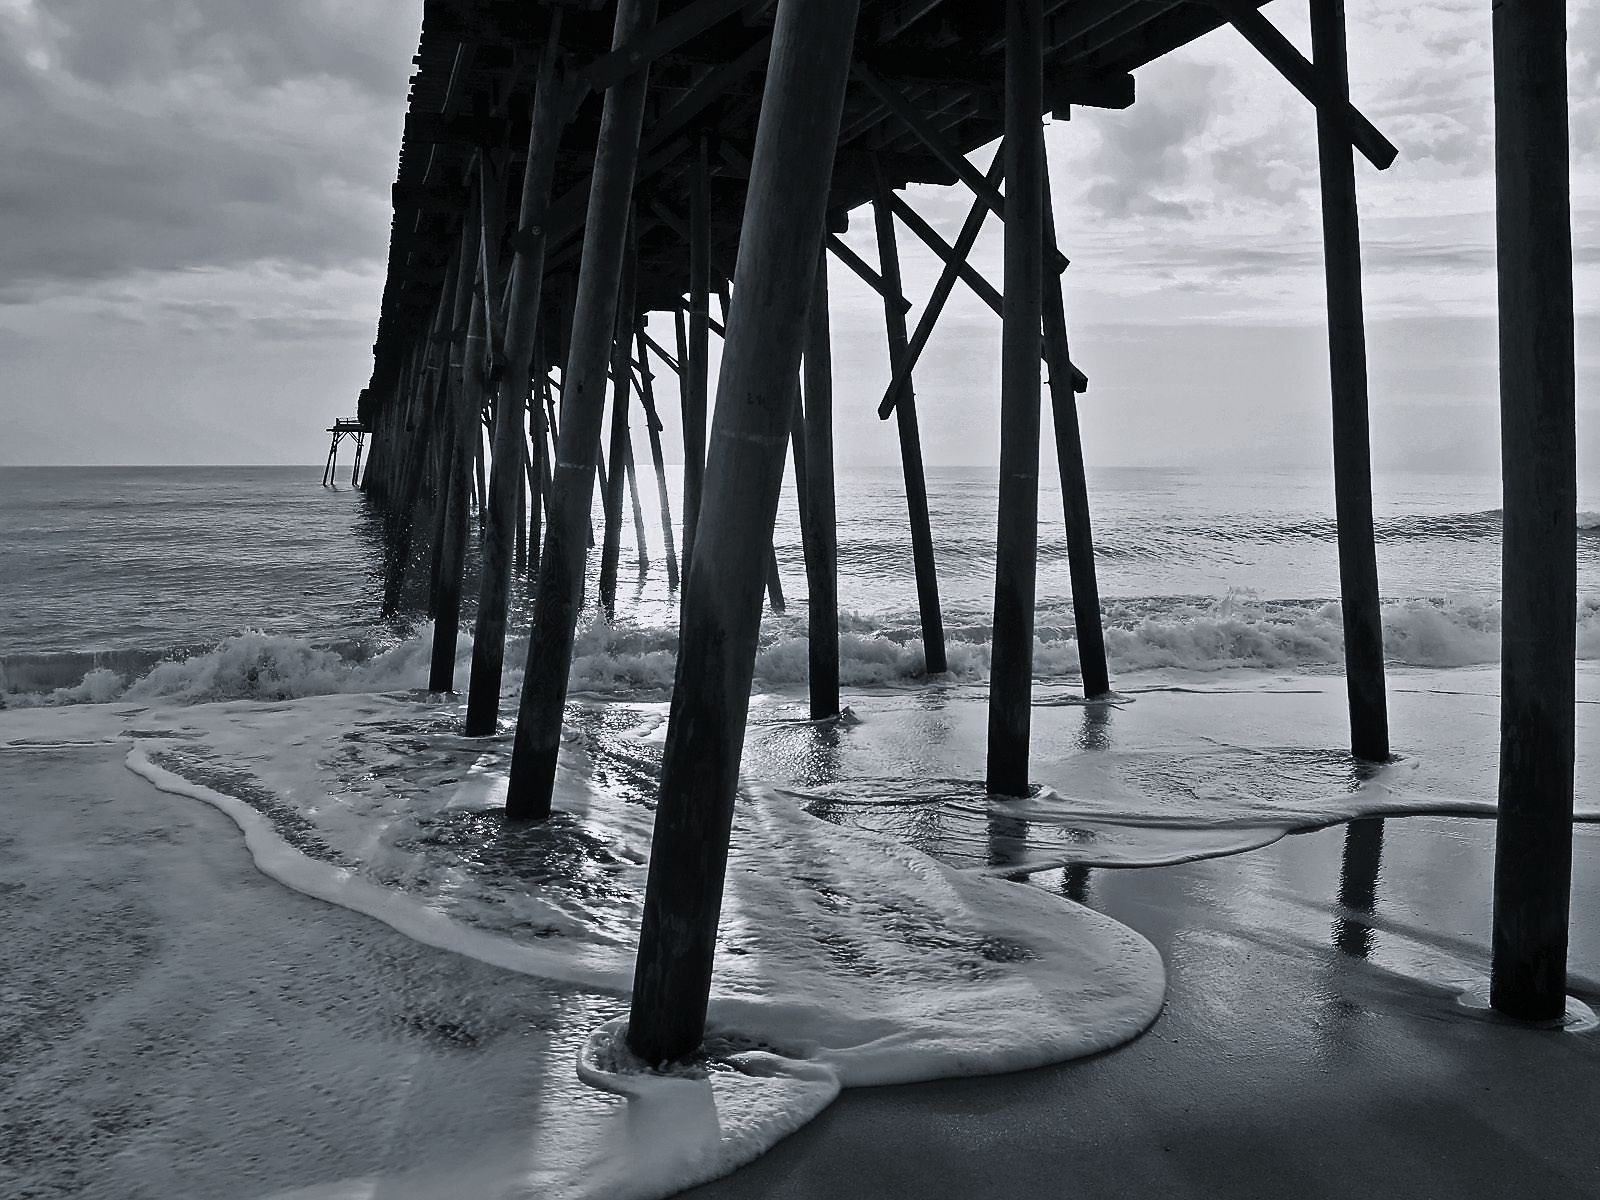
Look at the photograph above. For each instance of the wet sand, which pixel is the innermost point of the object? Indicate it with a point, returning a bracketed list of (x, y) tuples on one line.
[(175, 1024)]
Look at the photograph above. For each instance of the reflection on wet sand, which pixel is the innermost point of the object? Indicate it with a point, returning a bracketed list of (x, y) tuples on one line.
[(1358, 886)]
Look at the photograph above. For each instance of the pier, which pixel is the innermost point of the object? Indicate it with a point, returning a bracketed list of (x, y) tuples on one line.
[(568, 168)]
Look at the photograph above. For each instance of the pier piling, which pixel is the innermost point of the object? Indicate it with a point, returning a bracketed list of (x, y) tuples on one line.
[(504, 524), (1347, 362), (821, 528), (583, 387), (910, 436), (1074, 484), (1538, 449), (1016, 541), (778, 247)]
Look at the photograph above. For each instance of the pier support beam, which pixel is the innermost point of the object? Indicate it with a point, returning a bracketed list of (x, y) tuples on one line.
[(697, 354), (504, 518), (1074, 485), (647, 397), (1347, 364), (621, 384), (463, 402), (910, 436), (1538, 448), (1016, 542), (820, 528), (583, 392), (778, 247)]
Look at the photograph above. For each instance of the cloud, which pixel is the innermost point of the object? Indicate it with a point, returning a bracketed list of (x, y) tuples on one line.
[(1150, 147), (152, 134)]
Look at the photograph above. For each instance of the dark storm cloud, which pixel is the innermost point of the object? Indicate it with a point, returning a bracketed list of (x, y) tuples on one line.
[(157, 135)]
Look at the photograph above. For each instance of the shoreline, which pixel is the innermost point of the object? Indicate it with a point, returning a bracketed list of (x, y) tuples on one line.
[(177, 1024)]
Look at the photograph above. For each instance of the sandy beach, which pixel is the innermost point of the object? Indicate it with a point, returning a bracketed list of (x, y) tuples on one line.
[(176, 1024)]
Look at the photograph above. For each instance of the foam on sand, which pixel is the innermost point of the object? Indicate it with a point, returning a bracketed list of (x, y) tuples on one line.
[(844, 958)]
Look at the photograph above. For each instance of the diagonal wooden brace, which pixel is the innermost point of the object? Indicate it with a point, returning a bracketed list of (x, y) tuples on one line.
[(941, 146), (955, 260), (868, 276), (1307, 80)]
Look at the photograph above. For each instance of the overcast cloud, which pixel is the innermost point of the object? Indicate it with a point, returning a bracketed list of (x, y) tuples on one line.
[(194, 198)]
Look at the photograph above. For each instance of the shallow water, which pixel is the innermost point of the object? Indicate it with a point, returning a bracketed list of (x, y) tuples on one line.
[(876, 927)]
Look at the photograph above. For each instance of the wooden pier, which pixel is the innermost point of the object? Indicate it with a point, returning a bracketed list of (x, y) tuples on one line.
[(345, 427), (569, 167)]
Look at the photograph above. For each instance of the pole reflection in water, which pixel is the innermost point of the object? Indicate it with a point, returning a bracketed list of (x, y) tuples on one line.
[(1075, 883), (1096, 731), (1358, 886), (1008, 840)]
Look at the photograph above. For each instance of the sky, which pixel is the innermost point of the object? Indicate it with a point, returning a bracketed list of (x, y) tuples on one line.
[(194, 220)]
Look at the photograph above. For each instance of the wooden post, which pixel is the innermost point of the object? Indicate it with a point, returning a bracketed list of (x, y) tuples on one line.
[(621, 380), (647, 397), (633, 494), (910, 436), (583, 391), (1538, 450), (699, 347), (1347, 362), (355, 469), (464, 401), (1074, 486), (1016, 548), (778, 246), (821, 531), (520, 559), (774, 581), (480, 490), (504, 526)]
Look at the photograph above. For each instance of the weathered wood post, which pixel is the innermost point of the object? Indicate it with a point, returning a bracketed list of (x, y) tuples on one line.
[(782, 232), (1347, 362), (821, 529), (905, 412), (774, 582), (514, 361), (621, 385), (1016, 542), (633, 495), (698, 356), (647, 397), (1074, 485), (463, 399), (1538, 450), (583, 393)]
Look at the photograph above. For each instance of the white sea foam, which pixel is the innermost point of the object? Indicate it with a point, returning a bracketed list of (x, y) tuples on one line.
[(844, 958), (632, 661)]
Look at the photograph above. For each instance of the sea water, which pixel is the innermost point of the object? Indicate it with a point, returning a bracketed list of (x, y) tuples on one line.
[(227, 627)]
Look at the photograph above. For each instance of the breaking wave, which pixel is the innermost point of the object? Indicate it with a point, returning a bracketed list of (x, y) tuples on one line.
[(627, 660)]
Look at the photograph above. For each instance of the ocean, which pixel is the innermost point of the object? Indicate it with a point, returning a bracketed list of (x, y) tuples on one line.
[(886, 920)]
